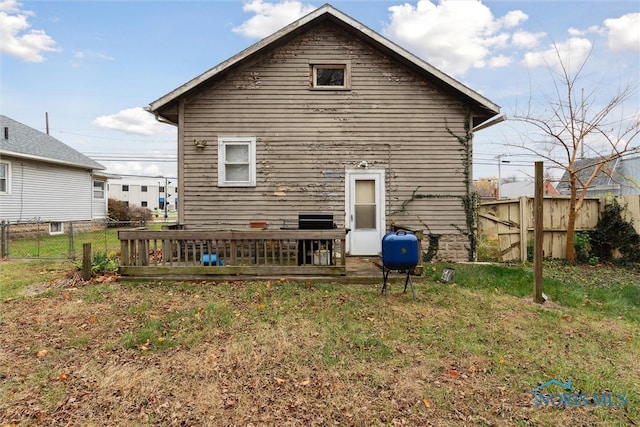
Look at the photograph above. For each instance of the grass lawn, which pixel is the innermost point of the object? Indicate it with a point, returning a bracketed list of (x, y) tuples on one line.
[(304, 353)]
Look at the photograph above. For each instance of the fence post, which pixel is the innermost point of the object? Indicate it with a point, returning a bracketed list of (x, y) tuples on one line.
[(4, 239), (86, 261), (539, 234), (523, 206), (72, 246)]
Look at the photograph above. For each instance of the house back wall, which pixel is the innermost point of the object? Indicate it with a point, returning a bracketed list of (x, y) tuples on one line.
[(391, 117)]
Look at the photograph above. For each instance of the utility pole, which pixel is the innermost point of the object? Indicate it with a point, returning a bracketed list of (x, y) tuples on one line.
[(166, 198), (500, 162)]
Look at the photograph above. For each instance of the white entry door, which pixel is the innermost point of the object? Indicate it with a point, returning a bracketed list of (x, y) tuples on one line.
[(365, 211)]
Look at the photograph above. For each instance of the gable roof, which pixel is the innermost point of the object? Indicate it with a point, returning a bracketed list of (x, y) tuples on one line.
[(20, 140), (164, 107), (619, 176)]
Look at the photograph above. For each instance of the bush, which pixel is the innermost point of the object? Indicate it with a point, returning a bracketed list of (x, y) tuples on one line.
[(582, 246), (103, 263), (120, 211), (138, 213), (614, 234)]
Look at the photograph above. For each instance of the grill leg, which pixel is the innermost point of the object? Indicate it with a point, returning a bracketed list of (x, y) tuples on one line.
[(408, 280), (385, 275)]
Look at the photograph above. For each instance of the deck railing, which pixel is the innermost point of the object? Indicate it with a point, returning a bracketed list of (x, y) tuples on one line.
[(233, 252)]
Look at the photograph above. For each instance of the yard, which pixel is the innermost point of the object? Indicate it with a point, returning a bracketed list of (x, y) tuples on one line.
[(279, 352)]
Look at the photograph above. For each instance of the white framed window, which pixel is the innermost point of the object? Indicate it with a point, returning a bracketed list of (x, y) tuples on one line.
[(236, 161), (56, 228), (98, 189), (5, 181), (331, 76)]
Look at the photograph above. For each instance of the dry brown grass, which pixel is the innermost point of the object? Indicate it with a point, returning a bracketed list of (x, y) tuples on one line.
[(299, 354)]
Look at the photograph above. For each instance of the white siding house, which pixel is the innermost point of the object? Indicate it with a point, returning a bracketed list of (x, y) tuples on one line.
[(42, 179)]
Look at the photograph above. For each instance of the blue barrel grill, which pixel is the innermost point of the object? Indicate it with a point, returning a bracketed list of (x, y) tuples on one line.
[(400, 251)]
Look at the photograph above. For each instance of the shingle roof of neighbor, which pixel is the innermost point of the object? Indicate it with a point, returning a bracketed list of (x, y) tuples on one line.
[(17, 139)]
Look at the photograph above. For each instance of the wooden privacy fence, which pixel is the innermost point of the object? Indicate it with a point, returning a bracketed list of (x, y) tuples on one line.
[(233, 252), (510, 222)]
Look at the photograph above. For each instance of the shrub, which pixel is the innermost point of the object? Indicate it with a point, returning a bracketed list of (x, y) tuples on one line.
[(582, 245), (614, 234), (103, 263), (120, 211), (138, 213)]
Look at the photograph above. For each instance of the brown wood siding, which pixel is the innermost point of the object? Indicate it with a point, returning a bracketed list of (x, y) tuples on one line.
[(390, 117)]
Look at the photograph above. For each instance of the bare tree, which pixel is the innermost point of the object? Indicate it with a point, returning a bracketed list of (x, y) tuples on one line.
[(574, 124)]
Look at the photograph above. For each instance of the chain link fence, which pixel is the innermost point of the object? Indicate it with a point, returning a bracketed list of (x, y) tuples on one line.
[(60, 240)]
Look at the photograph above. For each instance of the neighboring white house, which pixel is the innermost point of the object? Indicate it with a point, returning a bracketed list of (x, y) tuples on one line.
[(45, 180), (155, 193)]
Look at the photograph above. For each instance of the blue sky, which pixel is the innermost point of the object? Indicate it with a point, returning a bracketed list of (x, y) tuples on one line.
[(93, 65)]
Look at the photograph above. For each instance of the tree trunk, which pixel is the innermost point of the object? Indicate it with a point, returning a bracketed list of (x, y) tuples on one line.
[(571, 220)]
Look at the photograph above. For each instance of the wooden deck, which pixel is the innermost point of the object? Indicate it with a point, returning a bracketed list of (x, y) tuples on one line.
[(251, 252)]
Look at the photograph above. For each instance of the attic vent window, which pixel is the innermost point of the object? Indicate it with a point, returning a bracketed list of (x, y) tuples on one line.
[(330, 76)]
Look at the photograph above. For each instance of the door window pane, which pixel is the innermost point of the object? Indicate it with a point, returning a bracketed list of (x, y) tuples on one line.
[(365, 204)]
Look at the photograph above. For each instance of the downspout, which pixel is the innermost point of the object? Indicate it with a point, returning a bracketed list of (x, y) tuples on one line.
[(180, 187)]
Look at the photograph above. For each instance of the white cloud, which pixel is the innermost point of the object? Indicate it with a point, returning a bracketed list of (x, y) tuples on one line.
[(572, 52), (499, 61), (134, 168), (514, 18), (16, 36), (525, 39), (132, 120), (453, 35), (270, 17), (88, 54), (624, 32)]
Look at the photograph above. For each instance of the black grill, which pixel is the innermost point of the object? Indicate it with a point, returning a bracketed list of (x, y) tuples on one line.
[(314, 221)]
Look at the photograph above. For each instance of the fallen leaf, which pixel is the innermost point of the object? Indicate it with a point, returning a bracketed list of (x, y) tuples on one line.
[(93, 319), (212, 358), (426, 403), (67, 296), (63, 376), (501, 359), (41, 354), (453, 373), (628, 338), (146, 345), (586, 303), (305, 382), (566, 317), (280, 380), (472, 368)]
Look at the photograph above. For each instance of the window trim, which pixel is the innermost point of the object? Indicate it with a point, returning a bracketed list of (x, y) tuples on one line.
[(337, 65), (101, 190), (59, 231), (7, 177), (223, 142)]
